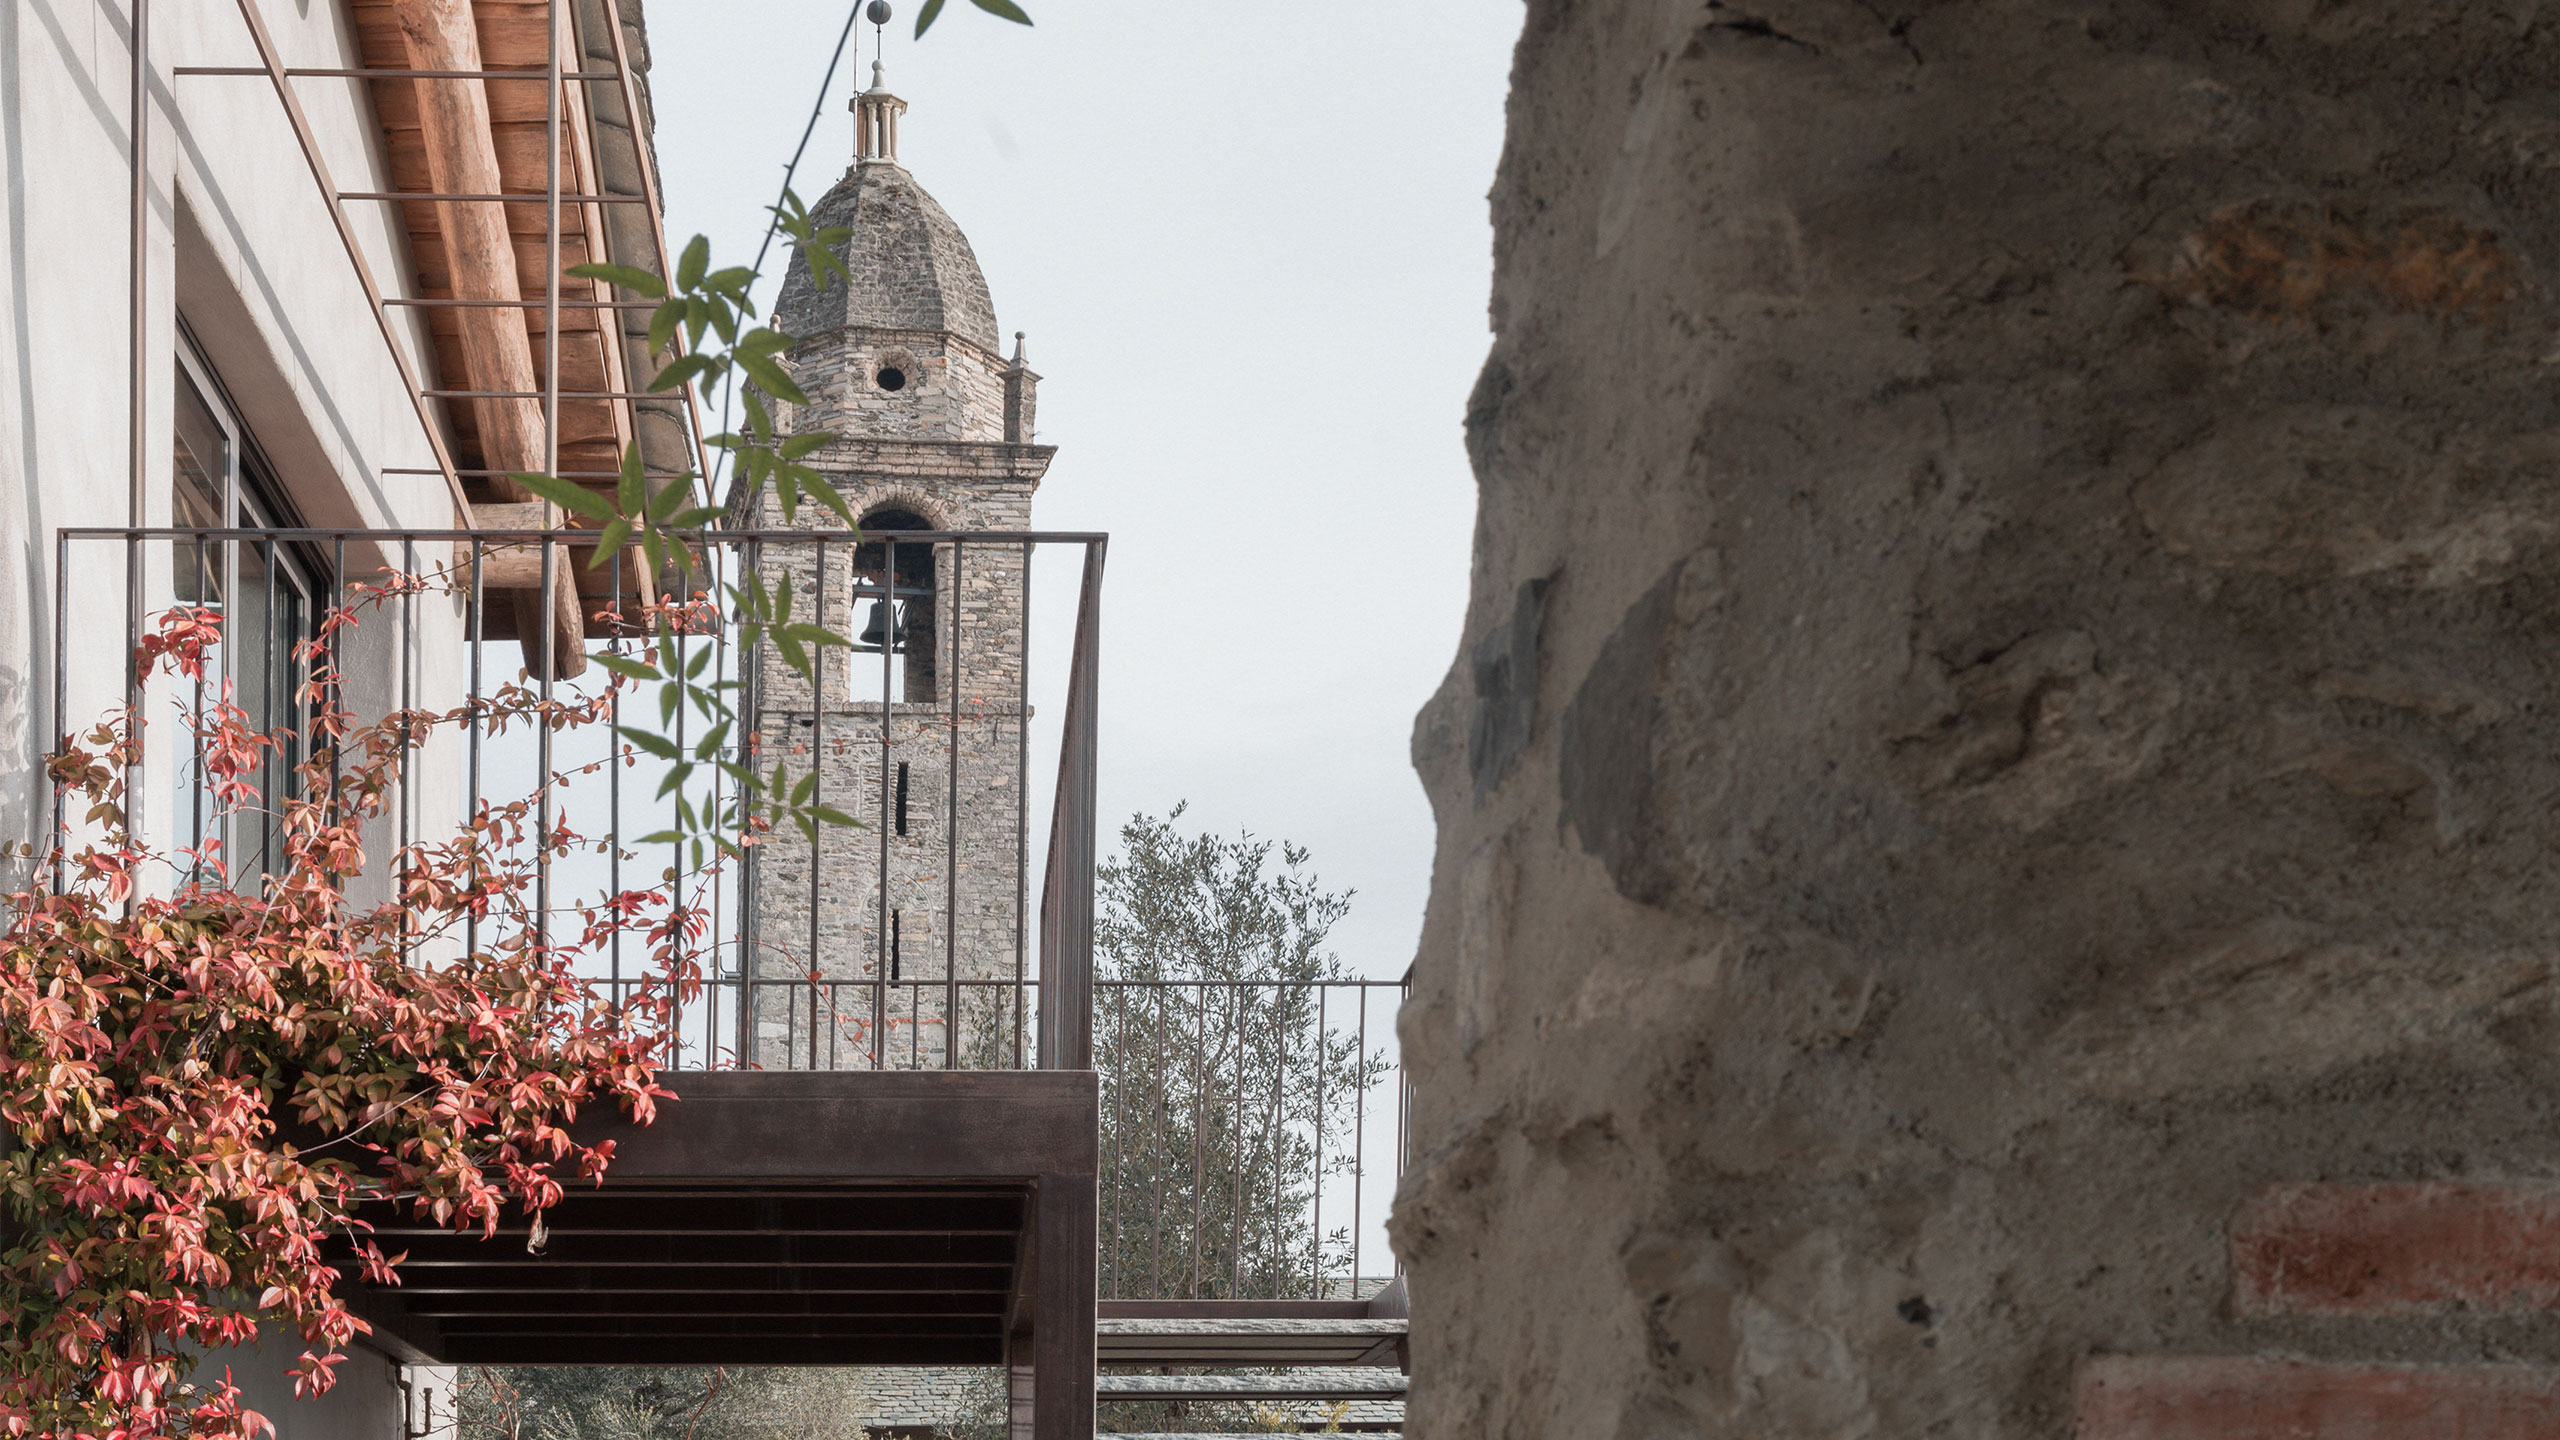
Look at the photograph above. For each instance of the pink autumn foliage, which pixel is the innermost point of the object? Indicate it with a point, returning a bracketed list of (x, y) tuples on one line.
[(207, 1092)]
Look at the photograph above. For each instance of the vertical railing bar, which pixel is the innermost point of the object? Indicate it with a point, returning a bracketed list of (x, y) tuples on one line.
[(614, 747), (1359, 1135), (889, 628), (1404, 1097), (751, 668), (195, 745), (1120, 1119), (1199, 1121), (59, 840), (818, 796), (550, 665), (333, 696), (951, 834), (715, 559), (1022, 817), (1281, 1012), (680, 631), (1235, 1129), (1316, 1274), (235, 649), (408, 739), (1155, 1152), (479, 642), (132, 687)]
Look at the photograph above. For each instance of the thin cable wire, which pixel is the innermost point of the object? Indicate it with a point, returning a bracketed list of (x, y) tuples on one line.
[(773, 227)]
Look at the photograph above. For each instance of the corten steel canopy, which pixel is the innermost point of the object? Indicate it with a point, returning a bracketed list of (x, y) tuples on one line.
[(795, 1218)]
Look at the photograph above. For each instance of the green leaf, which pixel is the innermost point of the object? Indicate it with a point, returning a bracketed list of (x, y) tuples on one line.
[(759, 419), (813, 635), (657, 745), (681, 369), (1005, 8), (695, 519), (834, 817), (631, 488), (700, 659), (823, 261), (931, 12), (662, 324), (769, 375), (667, 500), (625, 667), (697, 258), (567, 494), (629, 277), (712, 741), (697, 318), (610, 544), (763, 340), (735, 278), (781, 611), (808, 785)]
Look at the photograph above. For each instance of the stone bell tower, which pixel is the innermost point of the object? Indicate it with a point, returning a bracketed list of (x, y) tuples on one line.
[(919, 733)]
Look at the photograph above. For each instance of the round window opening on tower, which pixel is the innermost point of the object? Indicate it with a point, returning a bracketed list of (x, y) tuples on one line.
[(892, 378)]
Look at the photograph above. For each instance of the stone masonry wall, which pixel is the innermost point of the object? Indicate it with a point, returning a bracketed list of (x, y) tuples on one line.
[(881, 902), (1996, 867), (953, 390)]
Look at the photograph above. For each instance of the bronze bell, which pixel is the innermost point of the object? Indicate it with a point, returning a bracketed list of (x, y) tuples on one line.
[(887, 629)]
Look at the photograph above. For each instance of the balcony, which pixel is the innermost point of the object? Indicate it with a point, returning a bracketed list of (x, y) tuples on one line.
[(914, 1126)]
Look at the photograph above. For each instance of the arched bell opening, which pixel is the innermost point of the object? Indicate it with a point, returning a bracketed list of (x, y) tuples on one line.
[(896, 613)]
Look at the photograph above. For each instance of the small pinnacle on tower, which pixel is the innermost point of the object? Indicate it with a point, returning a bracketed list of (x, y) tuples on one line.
[(1019, 363)]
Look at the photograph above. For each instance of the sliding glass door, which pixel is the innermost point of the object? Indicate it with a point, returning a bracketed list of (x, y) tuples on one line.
[(263, 591)]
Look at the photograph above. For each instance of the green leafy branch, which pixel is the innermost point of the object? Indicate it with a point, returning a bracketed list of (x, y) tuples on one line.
[(1005, 9), (707, 330)]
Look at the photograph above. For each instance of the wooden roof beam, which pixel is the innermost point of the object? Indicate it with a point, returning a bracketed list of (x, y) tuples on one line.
[(497, 354)]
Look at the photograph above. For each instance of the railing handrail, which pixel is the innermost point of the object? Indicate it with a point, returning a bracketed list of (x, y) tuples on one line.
[(390, 532), (1066, 894)]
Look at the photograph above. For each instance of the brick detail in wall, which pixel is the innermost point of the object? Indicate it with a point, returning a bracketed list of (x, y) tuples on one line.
[(2391, 1249), (2240, 1398)]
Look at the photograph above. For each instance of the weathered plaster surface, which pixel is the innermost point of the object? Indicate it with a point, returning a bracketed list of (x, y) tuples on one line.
[(2005, 703)]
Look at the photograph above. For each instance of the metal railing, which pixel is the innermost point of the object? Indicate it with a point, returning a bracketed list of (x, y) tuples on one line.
[(903, 941), (1252, 1133), (1253, 1127)]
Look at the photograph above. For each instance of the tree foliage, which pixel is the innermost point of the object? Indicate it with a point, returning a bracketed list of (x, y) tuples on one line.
[(657, 1403), (1229, 1085)]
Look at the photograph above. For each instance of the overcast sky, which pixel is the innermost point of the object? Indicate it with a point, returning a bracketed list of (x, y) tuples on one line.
[(1249, 245)]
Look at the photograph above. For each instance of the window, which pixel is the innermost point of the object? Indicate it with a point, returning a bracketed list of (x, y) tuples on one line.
[(899, 617), (265, 593)]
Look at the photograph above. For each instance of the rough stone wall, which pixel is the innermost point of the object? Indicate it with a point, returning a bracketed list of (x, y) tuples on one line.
[(883, 899), (953, 390), (2002, 725)]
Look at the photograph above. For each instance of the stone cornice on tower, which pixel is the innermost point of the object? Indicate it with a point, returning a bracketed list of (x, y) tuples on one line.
[(979, 460)]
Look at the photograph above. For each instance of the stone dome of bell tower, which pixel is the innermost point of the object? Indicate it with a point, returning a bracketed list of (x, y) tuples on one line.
[(910, 348)]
